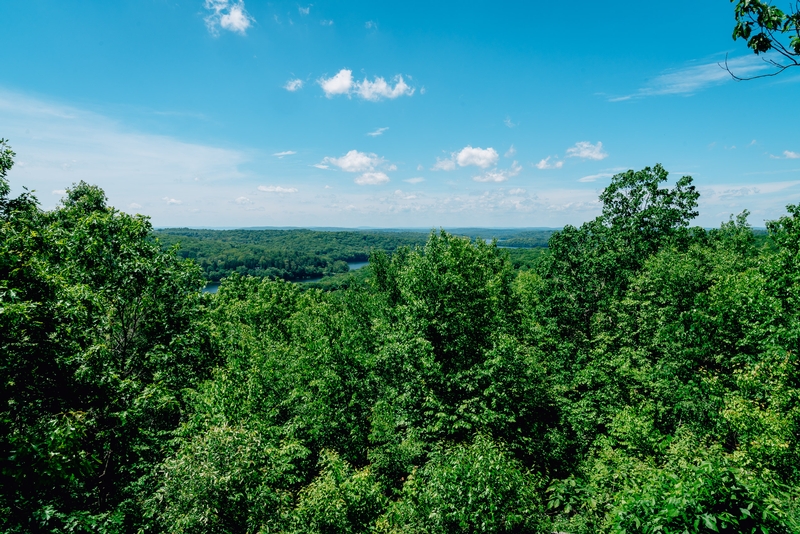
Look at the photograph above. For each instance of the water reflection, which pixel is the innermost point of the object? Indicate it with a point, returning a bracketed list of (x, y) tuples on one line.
[(212, 287)]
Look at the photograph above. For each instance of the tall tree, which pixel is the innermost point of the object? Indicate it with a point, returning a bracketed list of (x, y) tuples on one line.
[(98, 337)]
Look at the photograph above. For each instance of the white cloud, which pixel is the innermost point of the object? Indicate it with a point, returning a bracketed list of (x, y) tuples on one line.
[(480, 157), (510, 152), (276, 189), (586, 150), (517, 191), (280, 155), (595, 177), (691, 79), (444, 165), (545, 164), (321, 166), (379, 88), (172, 200), (304, 10), (130, 165), (326, 22), (355, 161), (372, 178), (416, 180), (420, 167), (496, 175), (491, 176), (370, 25), (508, 122), (378, 132), (405, 196), (340, 84), (293, 85), (228, 15), (134, 206), (791, 155), (59, 191), (243, 200)]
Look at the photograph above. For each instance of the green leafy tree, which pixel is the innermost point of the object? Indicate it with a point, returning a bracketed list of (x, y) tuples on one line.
[(98, 338), (471, 487), (766, 28)]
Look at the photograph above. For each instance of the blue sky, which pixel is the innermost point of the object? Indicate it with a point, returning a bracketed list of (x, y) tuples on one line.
[(502, 114)]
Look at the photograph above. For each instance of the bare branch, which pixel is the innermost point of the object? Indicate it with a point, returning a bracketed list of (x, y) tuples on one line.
[(772, 62)]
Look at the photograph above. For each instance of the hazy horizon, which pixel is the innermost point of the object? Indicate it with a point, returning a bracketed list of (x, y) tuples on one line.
[(238, 114)]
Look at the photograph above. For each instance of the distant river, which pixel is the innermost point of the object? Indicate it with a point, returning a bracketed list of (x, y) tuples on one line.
[(212, 287)]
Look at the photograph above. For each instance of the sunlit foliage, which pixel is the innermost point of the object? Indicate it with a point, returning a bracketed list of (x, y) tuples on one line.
[(639, 375)]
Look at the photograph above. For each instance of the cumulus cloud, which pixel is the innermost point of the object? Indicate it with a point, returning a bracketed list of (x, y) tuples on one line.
[(545, 164), (444, 165), (496, 175), (586, 150), (304, 10), (416, 180), (479, 157), (355, 161), (276, 189), (172, 200), (372, 178), (321, 166), (280, 155), (342, 84), (510, 152), (228, 15), (380, 88), (243, 200), (517, 191), (293, 85), (378, 132), (791, 155)]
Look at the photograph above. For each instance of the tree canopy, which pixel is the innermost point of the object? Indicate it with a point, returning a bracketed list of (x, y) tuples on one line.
[(641, 376)]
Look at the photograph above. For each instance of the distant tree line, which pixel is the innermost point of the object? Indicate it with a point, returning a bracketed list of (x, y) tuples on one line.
[(285, 254), (297, 255)]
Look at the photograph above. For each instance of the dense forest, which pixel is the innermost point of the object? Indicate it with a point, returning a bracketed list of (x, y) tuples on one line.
[(286, 254), (300, 254), (640, 376)]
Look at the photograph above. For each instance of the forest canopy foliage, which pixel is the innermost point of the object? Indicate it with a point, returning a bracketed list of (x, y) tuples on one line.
[(642, 377), (300, 254), (286, 254)]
